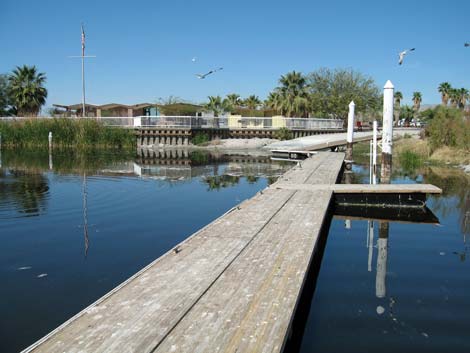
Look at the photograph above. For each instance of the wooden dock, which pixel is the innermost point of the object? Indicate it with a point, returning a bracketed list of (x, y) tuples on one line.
[(233, 286), (301, 147)]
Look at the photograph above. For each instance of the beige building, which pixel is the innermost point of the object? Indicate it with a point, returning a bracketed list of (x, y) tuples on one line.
[(108, 110)]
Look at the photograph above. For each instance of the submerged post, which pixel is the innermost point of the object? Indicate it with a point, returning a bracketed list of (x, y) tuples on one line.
[(349, 139), (387, 133)]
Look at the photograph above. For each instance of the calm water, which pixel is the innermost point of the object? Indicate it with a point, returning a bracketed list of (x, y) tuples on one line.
[(74, 227), (409, 291)]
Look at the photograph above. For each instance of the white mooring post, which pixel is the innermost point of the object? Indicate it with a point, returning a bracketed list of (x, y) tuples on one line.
[(374, 153), (50, 140), (349, 138), (387, 133)]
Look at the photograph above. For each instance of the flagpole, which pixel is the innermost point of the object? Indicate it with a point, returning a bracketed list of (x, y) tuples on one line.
[(83, 73), (83, 57)]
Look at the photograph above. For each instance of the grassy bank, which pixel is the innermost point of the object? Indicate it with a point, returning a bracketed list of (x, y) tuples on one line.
[(77, 133)]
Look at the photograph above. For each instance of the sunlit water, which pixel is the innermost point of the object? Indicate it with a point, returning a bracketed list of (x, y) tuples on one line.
[(71, 233), (408, 291)]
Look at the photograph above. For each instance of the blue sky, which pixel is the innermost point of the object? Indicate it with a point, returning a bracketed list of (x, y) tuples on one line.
[(144, 48)]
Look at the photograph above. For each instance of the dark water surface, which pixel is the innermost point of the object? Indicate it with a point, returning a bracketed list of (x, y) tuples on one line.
[(406, 289), (74, 226), (72, 232)]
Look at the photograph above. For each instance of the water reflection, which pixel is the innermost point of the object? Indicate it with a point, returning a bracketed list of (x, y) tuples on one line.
[(24, 174), (85, 213), (26, 191)]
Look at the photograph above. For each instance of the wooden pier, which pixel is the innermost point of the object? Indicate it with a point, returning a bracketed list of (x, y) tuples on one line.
[(234, 286)]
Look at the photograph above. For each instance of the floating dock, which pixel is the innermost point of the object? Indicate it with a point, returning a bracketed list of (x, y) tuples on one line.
[(234, 286)]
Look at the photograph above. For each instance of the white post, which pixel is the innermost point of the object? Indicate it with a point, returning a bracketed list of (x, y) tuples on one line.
[(349, 139), (371, 162), (50, 140), (137, 121), (374, 154), (387, 133)]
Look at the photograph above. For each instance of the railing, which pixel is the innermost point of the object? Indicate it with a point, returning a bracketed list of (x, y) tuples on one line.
[(313, 124), (227, 122)]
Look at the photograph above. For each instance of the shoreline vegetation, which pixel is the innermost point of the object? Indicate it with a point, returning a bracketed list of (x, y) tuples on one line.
[(74, 133)]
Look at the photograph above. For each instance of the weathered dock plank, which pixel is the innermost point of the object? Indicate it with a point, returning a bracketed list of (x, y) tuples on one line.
[(364, 188), (249, 309), (150, 310)]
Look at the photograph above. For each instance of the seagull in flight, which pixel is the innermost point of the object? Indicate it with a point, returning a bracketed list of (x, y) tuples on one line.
[(402, 55), (194, 59), (466, 45), (203, 76)]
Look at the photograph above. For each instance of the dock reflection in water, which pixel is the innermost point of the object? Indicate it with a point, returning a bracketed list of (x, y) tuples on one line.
[(387, 284)]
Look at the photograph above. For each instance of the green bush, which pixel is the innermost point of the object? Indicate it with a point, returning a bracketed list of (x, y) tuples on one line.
[(200, 138), (449, 128), (77, 133), (283, 134), (409, 160)]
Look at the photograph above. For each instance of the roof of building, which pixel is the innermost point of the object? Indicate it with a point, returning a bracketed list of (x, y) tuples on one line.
[(106, 106)]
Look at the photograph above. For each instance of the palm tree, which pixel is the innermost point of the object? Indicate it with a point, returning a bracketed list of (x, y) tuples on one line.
[(27, 91), (444, 89), (234, 99), (215, 105), (252, 102), (463, 97), (396, 110), (406, 113), (454, 97), (417, 98), (292, 95), (271, 102)]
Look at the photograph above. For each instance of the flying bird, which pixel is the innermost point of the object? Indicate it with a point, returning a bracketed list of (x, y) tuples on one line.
[(466, 45), (402, 55), (194, 59), (203, 76)]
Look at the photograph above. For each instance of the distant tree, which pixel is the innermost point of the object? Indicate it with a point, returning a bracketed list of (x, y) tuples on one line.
[(26, 90), (331, 91), (5, 107), (396, 109), (463, 97), (445, 89), (216, 105), (291, 97), (406, 113), (170, 100), (417, 98), (271, 101), (252, 102), (454, 97), (234, 100)]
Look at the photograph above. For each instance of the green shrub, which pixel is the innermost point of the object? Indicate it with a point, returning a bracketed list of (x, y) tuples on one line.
[(200, 138), (409, 160), (449, 128), (283, 134)]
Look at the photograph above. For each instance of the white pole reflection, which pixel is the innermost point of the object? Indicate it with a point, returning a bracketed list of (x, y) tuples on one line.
[(85, 213), (382, 248), (370, 244)]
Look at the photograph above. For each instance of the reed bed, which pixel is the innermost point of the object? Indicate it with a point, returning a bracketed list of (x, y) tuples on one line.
[(77, 133)]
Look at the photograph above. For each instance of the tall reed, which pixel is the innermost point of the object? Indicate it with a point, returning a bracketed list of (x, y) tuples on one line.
[(78, 133)]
